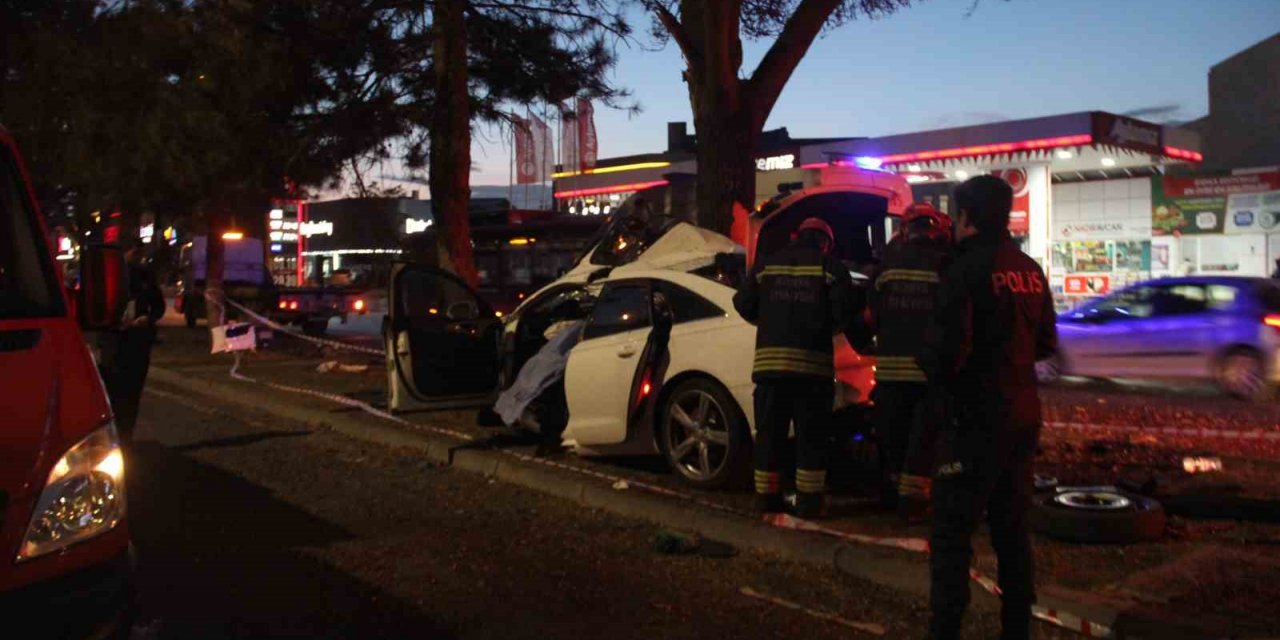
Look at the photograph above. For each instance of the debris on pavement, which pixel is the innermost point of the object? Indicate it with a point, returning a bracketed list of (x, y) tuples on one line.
[(333, 365), (676, 543), (865, 627)]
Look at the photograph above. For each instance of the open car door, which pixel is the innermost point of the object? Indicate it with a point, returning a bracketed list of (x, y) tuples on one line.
[(441, 339)]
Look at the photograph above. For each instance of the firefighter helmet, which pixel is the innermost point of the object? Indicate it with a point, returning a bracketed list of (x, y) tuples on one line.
[(819, 225), (939, 224)]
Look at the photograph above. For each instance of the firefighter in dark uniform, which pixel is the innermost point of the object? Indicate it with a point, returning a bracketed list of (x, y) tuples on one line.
[(994, 321), (901, 301), (798, 297)]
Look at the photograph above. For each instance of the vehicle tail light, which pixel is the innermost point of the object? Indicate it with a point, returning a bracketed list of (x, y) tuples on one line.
[(358, 305), (1272, 320), (293, 305), (283, 304)]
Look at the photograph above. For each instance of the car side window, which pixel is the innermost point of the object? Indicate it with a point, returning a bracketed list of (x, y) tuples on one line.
[(1222, 296), (1181, 299), (431, 296), (1137, 302), (687, 306), (620, 308)]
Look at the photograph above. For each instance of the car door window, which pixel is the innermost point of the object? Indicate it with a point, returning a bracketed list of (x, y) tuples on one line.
[(687, 306), (620, 308), (1222, 296), (1180, 299), (1138, 302), (429, 297)]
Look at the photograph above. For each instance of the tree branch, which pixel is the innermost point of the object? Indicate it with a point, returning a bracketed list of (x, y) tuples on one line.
[(784, 56), (677, 31)]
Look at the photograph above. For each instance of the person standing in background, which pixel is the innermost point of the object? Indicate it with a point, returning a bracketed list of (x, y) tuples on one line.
[(126, 350)]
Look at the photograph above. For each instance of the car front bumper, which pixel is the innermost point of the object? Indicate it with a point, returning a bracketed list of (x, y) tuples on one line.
[(94, 602)]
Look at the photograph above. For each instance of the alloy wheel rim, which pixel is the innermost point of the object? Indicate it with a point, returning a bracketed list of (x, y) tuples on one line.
[(697, 435), (1093, 500)]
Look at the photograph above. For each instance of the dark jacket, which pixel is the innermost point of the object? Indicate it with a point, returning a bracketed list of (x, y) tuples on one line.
[(145, 294), (995, 319), (798, 298), (901, 298)]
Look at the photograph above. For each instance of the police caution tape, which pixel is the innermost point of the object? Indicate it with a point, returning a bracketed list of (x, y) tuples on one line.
[(276, 326), (1236, 434), (1061, 619)]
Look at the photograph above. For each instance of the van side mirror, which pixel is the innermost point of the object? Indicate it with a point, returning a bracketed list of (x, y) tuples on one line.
[(104, 287)]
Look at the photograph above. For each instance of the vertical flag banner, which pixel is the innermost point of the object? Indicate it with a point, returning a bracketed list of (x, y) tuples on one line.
[(543, 153), (526, 161), (588, 145), (569, 142)]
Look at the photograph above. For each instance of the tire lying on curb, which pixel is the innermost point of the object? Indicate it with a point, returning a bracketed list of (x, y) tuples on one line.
[(1097, 516)]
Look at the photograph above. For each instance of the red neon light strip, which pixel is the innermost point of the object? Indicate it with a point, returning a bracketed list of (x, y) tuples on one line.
[(1183, 154), (617, 188), (991, 149)]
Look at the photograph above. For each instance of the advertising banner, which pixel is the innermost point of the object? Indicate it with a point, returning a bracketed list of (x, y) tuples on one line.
[(1087, 285), (1223, 203), (543, 153), (588, 147), (526, 154), (1020, 215), (569, 155)]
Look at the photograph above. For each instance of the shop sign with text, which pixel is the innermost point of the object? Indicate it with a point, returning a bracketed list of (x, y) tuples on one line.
[(1087, 285), (1224, 203), (1127, 132)]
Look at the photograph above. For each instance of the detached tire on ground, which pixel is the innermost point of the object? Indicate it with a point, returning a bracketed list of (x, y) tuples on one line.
[(1099, 517), (704, 436)]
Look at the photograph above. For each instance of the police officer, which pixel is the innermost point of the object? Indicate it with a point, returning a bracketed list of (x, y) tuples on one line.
[(126, 350), (994, 321), (901, 301), (798, 298)]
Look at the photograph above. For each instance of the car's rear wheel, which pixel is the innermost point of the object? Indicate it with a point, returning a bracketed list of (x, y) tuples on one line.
[(1242, 374), (704, 435)]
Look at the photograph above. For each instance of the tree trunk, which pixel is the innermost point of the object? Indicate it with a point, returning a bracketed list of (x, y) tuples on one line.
[(215, 258), (726, 165), (722, 113), (450, 158)]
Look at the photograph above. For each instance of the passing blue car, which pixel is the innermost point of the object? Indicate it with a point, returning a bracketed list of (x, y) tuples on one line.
[(1224, 329)]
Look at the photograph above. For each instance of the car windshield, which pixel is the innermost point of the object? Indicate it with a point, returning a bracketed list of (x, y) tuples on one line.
[(632, 231), (27, 286)]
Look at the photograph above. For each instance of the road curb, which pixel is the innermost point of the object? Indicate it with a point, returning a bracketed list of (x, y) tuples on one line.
[(882, 566)]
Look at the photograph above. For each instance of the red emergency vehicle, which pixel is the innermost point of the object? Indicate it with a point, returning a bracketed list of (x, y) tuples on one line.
[(65, 555)]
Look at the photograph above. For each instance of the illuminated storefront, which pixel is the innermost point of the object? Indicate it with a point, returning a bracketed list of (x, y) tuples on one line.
[(1083, 191)]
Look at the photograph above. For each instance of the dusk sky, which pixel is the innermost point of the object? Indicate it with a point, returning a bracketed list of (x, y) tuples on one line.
[(929, 67)]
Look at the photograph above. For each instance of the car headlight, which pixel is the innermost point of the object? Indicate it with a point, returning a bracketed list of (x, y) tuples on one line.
[(82, 498)]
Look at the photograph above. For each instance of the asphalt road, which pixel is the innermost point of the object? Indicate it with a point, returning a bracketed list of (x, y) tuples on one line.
[(247, 527)]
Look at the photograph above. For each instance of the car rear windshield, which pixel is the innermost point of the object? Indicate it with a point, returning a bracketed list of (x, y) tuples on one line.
[(27, 286)]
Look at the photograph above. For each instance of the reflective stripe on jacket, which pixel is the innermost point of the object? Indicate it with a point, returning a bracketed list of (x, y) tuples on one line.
[(902, 306), (798, 298)]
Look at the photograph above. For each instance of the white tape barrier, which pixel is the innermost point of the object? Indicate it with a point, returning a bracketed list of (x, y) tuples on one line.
[(345, 401), (784, 521), (865, 627), (1236, 434), (276, 326)]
